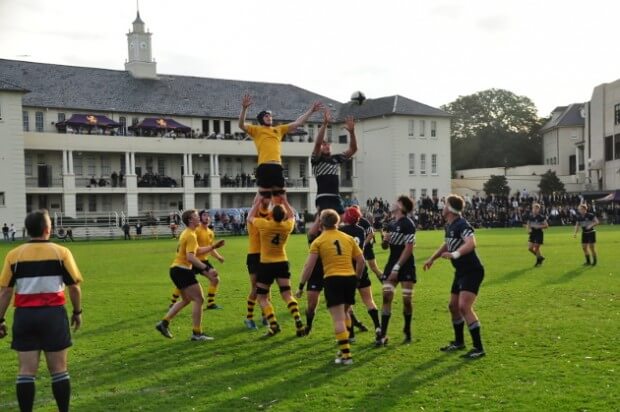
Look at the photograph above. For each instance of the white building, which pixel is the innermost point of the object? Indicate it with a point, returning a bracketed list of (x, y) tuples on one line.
[(404, 146)]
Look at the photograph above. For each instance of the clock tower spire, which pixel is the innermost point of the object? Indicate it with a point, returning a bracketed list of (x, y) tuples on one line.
[(140, 62)]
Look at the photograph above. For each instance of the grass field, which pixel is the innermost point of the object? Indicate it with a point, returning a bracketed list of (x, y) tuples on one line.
[(551, 336)]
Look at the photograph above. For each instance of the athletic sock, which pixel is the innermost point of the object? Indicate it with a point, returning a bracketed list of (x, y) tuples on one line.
[(374, 314), (458, 325), (474, 330), (25, 389), (385, 320), (349, 324), (309, 318), (61, 388), (407, 328), (176, 294), (588, 259), (293, 307), (343, 344), (271, 317), (354, 320), (197, 330), (251, 304), (211, 291), (594, 259)]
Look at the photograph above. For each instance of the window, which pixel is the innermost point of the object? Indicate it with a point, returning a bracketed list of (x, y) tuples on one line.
[(79, 203), (617, 146), (411, 124), (26, 121), (161, 166), (329, 134), (149, 165), (433, 128), (122, 130), (106, 203), (422, 164), (617, 114), (38, 119), (411, 163), (61, 117), (105, 166), (92, 168), (311, 131), (342, 139), (433, 164), (412, 193), (205, 126), (2, 201), (78, 169), (422, 127), (28, 164), (285, 170), (302, 169), (92, 203), (609, 148), (134, 121), (423, 192), (0, 109), (226, 126), (123, 165), (216, 126), (435, 192)]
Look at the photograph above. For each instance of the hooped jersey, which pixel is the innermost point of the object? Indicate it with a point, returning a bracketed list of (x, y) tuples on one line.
[(326, 170), (456, 233)]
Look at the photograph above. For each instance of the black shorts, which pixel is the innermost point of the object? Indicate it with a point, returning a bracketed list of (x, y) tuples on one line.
[(45, 328), (469, 281), (406, 273), (268, 272), (269, 175), (340, 290), (536, 238), (182, 277), (208, 268), (364, 281), (588, 237), (252, 261), (369, 252), (329, 202), (316, 281)]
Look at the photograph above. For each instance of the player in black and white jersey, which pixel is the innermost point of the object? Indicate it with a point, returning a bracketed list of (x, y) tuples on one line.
[(369, 252), (326, 166), (587, 220), (459, 248), (535, 224), (400, 268), (316, 280)]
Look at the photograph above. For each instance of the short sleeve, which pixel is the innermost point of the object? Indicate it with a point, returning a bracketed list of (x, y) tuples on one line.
[(7, 274), (251, 129), (71, 267)]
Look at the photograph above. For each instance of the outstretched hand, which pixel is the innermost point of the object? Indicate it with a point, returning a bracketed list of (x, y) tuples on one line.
[(349, 124), (246, 101), (316, 106), (327, 116), (428, 264)]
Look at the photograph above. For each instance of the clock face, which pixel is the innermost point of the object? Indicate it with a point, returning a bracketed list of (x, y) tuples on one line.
[(131, 45), (143, 45)]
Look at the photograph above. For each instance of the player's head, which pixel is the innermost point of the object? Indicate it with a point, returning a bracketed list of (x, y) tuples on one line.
[(329, 219), (190, 218), (204, 216), (38, 224), (326, 148), (454, 206), (278, 213), (265, 118), (583, 208), (351, 215), (403, 204), (535, 208)]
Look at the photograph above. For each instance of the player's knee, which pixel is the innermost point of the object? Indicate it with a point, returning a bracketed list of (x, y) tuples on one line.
[(453, 307), (284, 289), (261, 292), (215, 279), (464, 308)]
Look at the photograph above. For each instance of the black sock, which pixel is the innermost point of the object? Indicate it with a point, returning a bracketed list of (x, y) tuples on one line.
[(354, 320), (25, 392), (61, 388), (458, 326), (594, 259), (351, 331), (374, 314), (309, 319), (407, 328), (385, 320), (588, 259), (474, 330)]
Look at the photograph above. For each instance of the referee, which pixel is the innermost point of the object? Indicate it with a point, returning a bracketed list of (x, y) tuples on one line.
[(37, 272)]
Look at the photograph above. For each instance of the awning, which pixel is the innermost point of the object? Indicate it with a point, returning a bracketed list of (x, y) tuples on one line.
[(160, 123), (89, 121), (612, 197)]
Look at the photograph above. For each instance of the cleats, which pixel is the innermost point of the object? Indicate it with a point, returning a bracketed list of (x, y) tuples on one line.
[(214, 306), (452, 347), (249, 323), (307, 330), (361, 327), (539, 261), (475, 353), (163, 329), (407, 340), (265, 322), (342, 361), (301, 331), (272, 331), (383, 341), (201, 337)]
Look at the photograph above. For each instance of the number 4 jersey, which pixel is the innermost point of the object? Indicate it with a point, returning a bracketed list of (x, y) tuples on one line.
[(273, 238)]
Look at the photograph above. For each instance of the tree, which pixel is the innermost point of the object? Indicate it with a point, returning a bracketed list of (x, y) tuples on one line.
[(497, 185), (550, 183), (494, 128)]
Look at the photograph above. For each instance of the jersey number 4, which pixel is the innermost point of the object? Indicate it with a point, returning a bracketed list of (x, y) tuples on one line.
[(276, 239)]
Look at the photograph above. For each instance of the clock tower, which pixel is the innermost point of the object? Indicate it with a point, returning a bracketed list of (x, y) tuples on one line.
[(140, 62)]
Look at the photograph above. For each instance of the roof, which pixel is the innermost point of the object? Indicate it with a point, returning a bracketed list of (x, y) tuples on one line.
[(10, 87), (104, 90), (565, 116), (389, 105)]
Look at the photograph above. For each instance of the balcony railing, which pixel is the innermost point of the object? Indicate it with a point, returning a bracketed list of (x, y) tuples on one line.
[(98, 182), (37, 182)]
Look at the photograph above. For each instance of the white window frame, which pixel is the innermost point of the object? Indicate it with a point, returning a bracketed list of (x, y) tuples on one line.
[(433, 128), (423, 164), (39, 122), (411, 128), (422, 128), (411, 164), (434, 164)]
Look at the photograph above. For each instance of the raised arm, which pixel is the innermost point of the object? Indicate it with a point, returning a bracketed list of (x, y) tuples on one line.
[(349, 125), (246, 102), (316, 106), (254, 209), (327, 118)]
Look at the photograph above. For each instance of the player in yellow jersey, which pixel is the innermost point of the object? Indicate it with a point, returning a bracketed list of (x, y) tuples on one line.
[(253, 259), (337, 251), (268, 138), (274, 264), (184, 278), (206, 237)]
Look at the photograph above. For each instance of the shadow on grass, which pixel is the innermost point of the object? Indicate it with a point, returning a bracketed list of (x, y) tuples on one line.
[(508, 277), (567, 277)]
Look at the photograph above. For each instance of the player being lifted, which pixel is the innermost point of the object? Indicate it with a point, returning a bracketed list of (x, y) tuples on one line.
[(206, 237), (268, 141), (337, 251), (536, 222), (326, 166), (274, 264), (400, 268), (587, 221), (459, 247)]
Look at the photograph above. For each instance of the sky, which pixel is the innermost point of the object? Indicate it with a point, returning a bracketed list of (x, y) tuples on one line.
[(433, 51)]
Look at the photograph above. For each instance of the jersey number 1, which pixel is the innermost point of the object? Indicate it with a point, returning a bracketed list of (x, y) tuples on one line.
[(338, 250)]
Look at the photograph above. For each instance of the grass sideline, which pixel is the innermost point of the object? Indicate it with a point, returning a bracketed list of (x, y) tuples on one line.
[(551, 336)]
